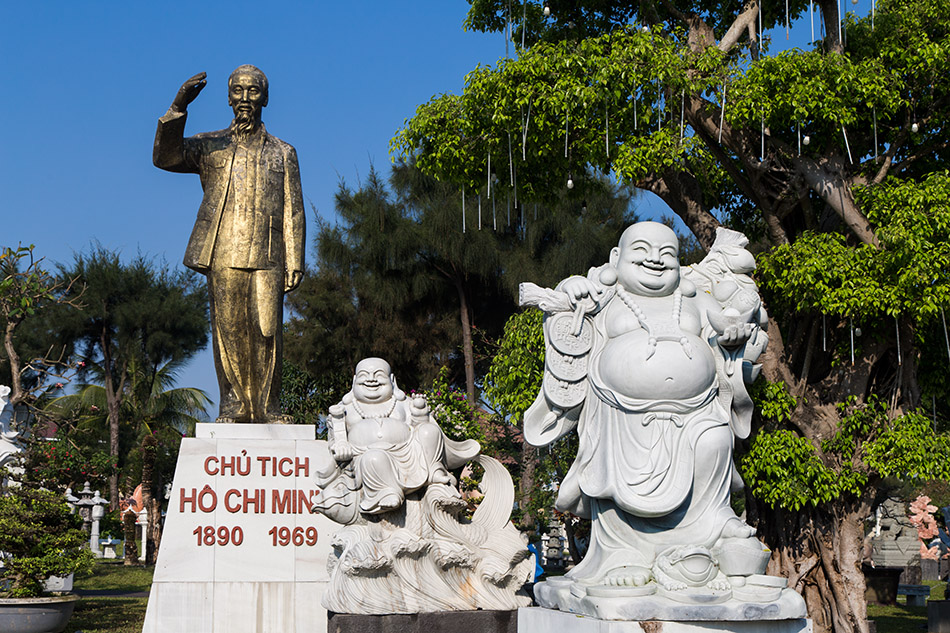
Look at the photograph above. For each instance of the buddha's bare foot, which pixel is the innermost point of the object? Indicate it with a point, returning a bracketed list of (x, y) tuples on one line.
[(382, 502), (439, 475), (629, 576), (223, 419), (719, 584)]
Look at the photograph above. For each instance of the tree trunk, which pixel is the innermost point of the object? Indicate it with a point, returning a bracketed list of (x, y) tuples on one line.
[(16, 384), (529, 461), (820, 554), (467, 350), (112, 411), (131, 549), (149, 446), (571, 543)]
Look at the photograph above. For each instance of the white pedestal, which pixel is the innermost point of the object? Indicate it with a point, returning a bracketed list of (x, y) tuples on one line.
[(240, 550), (540, 620)]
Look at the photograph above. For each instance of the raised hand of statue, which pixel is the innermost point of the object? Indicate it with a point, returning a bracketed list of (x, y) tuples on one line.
[(420, 410), (189, 91), (292, 279)]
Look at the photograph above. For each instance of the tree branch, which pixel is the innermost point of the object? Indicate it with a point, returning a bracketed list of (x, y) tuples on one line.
[(824, 178), (743, 22)]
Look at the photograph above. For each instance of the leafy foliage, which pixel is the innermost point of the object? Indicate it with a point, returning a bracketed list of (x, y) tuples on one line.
[(787, 470), (399, 279), (458, 419), (909, 274), (514, 378), (29, 364), (41, 538)]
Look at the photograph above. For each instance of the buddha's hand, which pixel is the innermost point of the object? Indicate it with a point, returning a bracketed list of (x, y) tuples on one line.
[(578, 288), (420, 407), (342, 451), (737, 335)]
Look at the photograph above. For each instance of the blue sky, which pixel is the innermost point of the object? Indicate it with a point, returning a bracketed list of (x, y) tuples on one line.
[(86, 81)]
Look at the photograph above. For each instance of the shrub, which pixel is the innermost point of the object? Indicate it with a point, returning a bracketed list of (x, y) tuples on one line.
[(39, 538)]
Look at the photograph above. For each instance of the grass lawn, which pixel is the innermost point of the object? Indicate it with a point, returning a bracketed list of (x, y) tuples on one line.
[(114, 576), (900, 618), (108, 615), (111, 614)]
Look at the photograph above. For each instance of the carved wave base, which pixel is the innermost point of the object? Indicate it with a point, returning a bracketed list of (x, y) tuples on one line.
[(539, 620), (426, 557), (570, 597)]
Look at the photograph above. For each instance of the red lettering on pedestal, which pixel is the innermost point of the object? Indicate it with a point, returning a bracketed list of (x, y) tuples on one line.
[(282, 502), (227, 500), (258, 500), (190, 499)]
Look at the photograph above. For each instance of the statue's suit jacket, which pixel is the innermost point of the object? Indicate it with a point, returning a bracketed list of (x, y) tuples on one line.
[(278, 233)]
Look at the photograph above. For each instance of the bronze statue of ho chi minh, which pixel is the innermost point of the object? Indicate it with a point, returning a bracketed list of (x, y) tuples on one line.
[(248, 238)]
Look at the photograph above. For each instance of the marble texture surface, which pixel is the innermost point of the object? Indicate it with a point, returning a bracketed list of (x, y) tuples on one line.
[(649, 362), (407, 546), (539, 620), (257, 586), (247, 431)]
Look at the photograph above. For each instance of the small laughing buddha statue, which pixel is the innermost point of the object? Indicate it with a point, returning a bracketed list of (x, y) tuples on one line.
[(407, 545)]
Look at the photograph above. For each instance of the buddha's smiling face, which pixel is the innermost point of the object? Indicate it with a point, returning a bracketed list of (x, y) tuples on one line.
[(373, 381), (647, 259)]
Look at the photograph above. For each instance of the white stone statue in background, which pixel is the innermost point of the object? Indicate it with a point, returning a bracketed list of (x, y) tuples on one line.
[(9, 438), (647, 363), (407, 547)]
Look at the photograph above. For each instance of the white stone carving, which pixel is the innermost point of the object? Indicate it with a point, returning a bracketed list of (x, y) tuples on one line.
[(9, 438), (408, 547), (649, 363), (262, 567)]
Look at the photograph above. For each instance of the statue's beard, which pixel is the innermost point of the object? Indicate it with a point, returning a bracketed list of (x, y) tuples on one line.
[(244, 125)]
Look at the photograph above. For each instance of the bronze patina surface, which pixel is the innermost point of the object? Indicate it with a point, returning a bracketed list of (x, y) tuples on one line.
[(248, 238)]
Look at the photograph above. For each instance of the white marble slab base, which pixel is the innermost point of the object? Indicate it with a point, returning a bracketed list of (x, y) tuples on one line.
[(240, 550), (540, 620), (559, 593), (256, 431)]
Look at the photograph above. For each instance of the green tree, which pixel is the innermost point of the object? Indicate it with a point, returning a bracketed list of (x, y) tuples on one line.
[(399, 278), (157, 415), (831, 159), (136, 317), (512, 383), (29, 364)]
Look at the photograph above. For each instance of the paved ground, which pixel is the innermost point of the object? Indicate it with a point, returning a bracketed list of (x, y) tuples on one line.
[(92, 593)]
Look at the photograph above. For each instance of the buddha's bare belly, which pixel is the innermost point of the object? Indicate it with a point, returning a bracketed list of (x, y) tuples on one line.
[(368, 432), (668, 375)]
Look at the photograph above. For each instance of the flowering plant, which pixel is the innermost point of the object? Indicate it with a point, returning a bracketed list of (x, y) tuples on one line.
[(922, 518)]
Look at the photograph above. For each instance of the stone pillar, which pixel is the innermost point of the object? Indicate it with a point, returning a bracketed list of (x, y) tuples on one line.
[(98, 511), (141, 520)]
